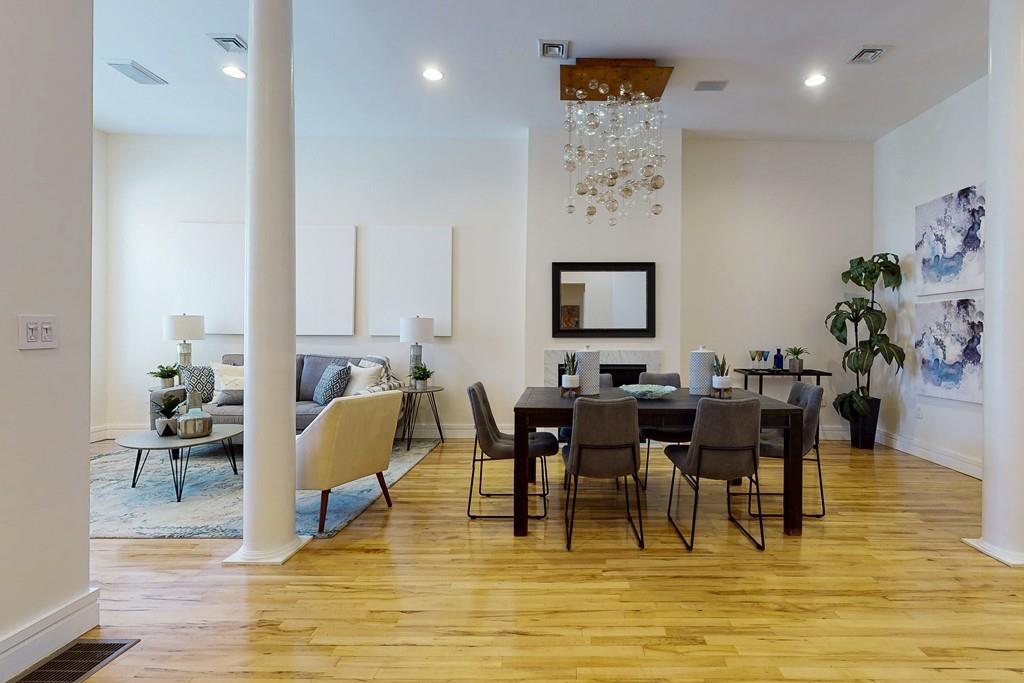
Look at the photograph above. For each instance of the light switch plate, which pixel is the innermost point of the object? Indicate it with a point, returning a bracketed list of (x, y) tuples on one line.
[(38, 332)]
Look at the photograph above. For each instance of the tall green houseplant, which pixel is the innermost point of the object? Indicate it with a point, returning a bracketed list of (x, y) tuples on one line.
[(866, 318)]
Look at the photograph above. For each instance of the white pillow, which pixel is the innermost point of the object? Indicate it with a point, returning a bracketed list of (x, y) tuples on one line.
[(228, 377), (362, 378)]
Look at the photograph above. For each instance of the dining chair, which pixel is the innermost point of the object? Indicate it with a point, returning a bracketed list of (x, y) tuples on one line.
[(724, 446), (490, 444), (605, 445), (667, 435), (808, 397), (606, 381)]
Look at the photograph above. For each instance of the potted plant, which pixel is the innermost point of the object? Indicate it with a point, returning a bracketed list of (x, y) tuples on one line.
[(795, 355), (720, 374), (166, 423), (420, 376), (858, 406), (571, 378), (166, 374)]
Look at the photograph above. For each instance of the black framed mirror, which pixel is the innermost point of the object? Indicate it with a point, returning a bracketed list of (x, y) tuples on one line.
[(602, 299)]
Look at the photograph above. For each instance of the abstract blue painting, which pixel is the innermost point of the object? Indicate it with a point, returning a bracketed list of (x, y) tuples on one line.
[(949, 348), (950, 242)]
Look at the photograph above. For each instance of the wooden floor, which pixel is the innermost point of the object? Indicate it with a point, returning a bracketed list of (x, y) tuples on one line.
[(881, 589)]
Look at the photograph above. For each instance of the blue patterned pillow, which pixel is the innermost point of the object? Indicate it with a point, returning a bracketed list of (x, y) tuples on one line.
[(332, 384), (198, 378)]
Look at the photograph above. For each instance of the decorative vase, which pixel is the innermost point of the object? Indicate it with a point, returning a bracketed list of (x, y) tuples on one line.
[(419, 384), (701, 362), (195, 424), (796, 364), (588, 366), (719, 382), (777, 359), (570, 381), (166, 426), (166, 382)]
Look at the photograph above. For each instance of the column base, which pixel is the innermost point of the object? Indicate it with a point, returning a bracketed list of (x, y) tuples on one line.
[(274, 557), (1011, 558)]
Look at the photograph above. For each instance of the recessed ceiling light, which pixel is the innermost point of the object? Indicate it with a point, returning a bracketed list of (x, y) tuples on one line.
[(233, 71), (432, 74), (814, 80)]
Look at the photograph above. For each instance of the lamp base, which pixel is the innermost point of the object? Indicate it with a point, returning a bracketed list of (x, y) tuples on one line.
[(184, 353), (415, 356)]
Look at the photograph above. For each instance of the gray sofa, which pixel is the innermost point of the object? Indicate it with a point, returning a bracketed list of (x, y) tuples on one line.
[(308, 370)]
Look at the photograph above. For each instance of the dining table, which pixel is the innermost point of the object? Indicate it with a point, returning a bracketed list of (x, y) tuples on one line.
[(541, 407)]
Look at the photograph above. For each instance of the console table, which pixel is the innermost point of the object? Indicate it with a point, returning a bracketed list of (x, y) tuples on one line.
[(761, 374)]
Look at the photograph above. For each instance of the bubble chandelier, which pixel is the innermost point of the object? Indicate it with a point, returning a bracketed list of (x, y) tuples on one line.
[(614, 155)]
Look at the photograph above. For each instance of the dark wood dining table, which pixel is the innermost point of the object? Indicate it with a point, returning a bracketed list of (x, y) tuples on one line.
[(546, 407)]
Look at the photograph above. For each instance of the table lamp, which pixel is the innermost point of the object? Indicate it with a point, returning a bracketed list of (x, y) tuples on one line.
[(415, 330), (183, 328)]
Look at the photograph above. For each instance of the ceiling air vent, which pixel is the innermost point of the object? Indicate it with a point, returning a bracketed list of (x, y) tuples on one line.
[(231, 42), (136, 72), (867, 55), (711, 86), (553, 49)]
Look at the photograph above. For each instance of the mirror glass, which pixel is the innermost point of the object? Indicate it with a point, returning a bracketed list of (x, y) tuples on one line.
[(599, 300)]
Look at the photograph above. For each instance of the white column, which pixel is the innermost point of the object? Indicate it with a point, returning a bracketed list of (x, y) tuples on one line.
[(268, 525), (1002, 524)]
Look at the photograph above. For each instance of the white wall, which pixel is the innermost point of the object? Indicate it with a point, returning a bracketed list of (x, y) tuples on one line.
[(768, 226), (45, 216), (940, 151), (554, 235), (478, 186), (98, 356)]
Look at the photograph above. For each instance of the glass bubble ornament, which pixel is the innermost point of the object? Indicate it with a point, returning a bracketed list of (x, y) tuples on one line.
[(647, 171), (656, 209), (581, 189), (612, 205), (593, 84), (603, 88), (591, 210), (570, 165), (613, 221), (658, 182)]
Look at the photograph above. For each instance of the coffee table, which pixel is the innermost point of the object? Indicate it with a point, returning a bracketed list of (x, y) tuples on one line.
[(149, 441)]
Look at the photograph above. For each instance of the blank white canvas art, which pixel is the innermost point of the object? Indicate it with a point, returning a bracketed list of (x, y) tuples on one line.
[(408, 273), (210, 278)]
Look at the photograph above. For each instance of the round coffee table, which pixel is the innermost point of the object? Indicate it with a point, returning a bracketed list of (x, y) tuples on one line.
[(149, 441)]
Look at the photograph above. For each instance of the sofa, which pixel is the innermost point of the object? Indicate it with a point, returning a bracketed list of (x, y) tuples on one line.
[(308, 370)]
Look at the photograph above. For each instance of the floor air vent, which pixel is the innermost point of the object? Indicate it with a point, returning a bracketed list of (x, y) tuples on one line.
[(78, 661)]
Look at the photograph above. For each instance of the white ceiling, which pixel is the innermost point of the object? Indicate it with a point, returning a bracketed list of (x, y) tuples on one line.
[(358, 63)]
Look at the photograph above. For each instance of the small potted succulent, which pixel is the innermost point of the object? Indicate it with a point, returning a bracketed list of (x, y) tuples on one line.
[(571, 378), (795, 355), (166, 374), (720, 379), (421, 375), (166, 422)]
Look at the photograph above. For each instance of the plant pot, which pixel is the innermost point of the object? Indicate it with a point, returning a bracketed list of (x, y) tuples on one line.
[(719, 382), (796, 364), (419, 384), (863, 427), (166, 426), (166, 382), (570, 381)]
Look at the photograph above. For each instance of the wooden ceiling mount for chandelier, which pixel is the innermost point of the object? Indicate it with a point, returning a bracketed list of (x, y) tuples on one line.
[(644, 74)]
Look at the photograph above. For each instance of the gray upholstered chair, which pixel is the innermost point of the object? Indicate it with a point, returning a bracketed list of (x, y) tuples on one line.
[(808, 397), (724, 446), (565, 433), (494, 444), (605, 445), (666, 435)]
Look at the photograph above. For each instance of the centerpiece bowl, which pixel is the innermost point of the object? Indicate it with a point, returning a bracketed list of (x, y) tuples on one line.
[(647, 391)]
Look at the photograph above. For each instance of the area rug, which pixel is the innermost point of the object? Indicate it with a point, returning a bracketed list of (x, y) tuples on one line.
[(211, 506)]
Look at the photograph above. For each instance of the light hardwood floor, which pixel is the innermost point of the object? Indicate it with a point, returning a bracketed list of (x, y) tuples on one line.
[(881, 589)]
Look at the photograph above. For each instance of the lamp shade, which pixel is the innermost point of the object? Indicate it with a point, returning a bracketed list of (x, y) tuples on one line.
[(416, 329), (183, 327)]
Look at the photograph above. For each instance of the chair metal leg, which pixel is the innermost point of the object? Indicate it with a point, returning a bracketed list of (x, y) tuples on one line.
[(760, 517), (639, 534), (647, 464), (545, 488), (821, 491), (695, 485), (571, 520), (384, 488)]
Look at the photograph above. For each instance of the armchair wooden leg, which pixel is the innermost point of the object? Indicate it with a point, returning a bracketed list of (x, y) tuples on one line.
[(384, 488), (324, 495)]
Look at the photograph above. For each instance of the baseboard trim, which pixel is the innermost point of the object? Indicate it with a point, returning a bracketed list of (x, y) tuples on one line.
[(940, 456), (274, 557), (1011, 558), (25, 647)]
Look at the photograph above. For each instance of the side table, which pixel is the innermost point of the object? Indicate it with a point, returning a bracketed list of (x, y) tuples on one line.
[(411, 398)]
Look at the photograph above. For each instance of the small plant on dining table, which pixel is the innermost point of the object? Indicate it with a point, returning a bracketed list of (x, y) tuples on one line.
[(570, 363), (720, 367)]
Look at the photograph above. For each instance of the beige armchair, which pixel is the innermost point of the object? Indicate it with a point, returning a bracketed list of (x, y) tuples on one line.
[(350, 439)]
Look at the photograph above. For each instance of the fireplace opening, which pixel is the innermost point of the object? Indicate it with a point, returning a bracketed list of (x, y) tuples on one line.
[(622, 373)]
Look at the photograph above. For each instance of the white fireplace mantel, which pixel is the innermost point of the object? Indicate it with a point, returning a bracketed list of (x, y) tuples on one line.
[(649, 357)]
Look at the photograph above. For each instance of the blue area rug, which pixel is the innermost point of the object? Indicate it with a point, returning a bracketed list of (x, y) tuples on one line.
[(211, 506)]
